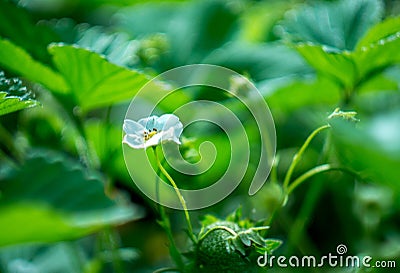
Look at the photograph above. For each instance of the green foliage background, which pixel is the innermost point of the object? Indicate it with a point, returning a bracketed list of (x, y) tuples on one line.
[(67, 203)]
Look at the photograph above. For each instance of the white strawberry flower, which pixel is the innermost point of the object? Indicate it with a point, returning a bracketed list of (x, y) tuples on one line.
[(152, 131)]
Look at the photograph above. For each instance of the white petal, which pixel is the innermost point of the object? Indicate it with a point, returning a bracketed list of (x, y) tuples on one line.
[(167, 121), (154, 140), (132, 127), (178, 129), (149, 122), (169, 135), (134, 141)]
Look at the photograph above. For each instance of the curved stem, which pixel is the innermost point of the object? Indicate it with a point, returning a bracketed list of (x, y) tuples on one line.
[(231, 231), (299, 154), (314, 171), (178, 193), (166, 225), (166, 270)]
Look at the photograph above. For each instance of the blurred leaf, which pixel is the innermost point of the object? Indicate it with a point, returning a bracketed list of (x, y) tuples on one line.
[(59, 258), (214, 22), (17, 60), (261, 61), (259, 20), (302, 93), (13, 95), (94, 82), (105, 141), (61, 202), (270, 245), (380, 82), (375, 58), (383, 30), (115, 46), (339, 24), (373, 150), (18, 25), (208, 219)]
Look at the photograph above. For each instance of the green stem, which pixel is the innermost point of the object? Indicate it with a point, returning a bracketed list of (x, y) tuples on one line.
[(166, 225), (178, 193), (297, 235), (297, 157), (167, 270), (231, 231), (312, 172)]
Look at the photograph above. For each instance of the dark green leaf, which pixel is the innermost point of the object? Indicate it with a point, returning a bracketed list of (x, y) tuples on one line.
[(238, 244), (54, 199), (339, 24), (213, 21), (18, 25), (244, 238)]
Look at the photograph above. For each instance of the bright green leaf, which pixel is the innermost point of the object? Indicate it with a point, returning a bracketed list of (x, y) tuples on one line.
[(12, 104), (375, 58), (58, 202), (335, 65), (352, 70), (13, 96), (17, 60), (93, 81), (383, 30)]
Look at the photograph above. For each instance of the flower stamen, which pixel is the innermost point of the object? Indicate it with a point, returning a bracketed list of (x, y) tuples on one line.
[(150, 134)]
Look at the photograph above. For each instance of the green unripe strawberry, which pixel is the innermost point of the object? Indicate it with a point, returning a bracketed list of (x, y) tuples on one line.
[(216, 251), (228, 246)]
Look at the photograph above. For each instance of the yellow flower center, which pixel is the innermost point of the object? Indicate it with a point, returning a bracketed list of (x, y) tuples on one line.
[(149, 134)]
